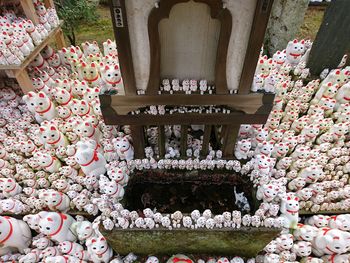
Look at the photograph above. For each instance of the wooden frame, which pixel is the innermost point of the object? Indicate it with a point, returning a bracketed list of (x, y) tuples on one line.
[(250, 109), (163, 11), (249, 104), (122, 38), (256, 39), (261, 16), (246, 108)]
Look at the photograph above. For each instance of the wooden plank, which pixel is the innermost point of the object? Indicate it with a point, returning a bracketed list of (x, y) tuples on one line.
[(24, 81), (230, 136), (29, 11), (35, 52), (121, 33), (60, 41), (161, 141), (138, 132), (183, 140), (49, 3), (111, 118), (247, 103), (206, 140), (257, 33), (333, 38)]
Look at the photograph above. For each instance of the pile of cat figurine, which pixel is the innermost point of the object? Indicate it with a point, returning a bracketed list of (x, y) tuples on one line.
[(19, 36), (58, 155)]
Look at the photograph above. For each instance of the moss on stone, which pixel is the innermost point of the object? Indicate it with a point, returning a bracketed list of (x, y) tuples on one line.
[(245, 242)]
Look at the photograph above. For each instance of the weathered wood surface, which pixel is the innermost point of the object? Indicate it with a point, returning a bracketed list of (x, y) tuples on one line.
[(138, 133), (29, 11), (257, 33), (122, 38), (333, 38), (230, 135), (249, 104), (246, 241), (35, 52), (206, 140), (177, 175), (161, 140), (184, 119)]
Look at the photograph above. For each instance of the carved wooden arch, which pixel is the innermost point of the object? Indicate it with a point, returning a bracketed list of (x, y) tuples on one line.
[(163, 11)]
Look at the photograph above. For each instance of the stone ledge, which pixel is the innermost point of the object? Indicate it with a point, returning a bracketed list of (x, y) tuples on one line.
[(245, 241)]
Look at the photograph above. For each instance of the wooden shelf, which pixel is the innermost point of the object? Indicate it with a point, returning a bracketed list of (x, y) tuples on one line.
[(19, 72), (35, 52)]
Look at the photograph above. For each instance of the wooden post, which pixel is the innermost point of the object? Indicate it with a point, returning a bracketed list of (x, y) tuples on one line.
[(29, 11), (161, 141), (206, 140), (61, 43), (183, 142), (24, 81), (138, 132), (49, 3), (333, 38), (229, 136), (121, 33), (257, 33)]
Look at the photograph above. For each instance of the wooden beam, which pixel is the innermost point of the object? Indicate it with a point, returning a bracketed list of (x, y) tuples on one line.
[(256, 39), (24, 81), (333, 38), (60, 41), (230, 135), (163, 11), (49, 3), (29, 11), (247, 103), (122, 38), (184, 119)]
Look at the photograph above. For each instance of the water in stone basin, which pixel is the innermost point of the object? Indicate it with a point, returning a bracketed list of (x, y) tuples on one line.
[(187, 191)]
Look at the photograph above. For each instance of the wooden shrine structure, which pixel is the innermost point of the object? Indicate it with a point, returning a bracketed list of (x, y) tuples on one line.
[(248, 108)]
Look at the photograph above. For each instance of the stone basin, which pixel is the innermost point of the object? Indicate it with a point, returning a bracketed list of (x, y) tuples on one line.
[(186, 191), (170, 190), (245, 242)]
